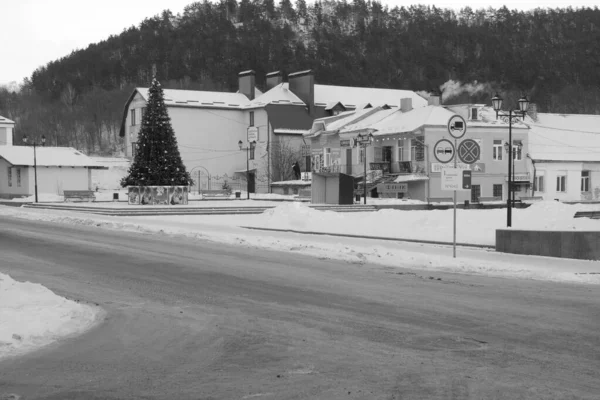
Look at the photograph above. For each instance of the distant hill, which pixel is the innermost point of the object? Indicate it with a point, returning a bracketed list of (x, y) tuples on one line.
[(552, 55)]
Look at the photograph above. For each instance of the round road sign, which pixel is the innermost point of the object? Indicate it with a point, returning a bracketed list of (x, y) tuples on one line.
[(469, 151), (457, 126), (443, 151)]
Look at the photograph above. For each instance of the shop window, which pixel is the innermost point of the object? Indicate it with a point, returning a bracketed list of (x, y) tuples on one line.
[(585, 181), (538, 183), (9, 176), (18, 177), (497, 150), (561, 183), (497, 191)]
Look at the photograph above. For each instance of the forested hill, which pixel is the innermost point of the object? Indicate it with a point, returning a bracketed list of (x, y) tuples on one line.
[(550, 54)]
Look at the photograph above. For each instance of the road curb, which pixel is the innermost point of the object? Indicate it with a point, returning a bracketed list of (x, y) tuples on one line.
[(479, 246)]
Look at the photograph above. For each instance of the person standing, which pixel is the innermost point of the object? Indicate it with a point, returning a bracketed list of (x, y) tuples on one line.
[(296, 168)]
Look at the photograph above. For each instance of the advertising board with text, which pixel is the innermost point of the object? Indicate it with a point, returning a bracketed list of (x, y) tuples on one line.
[(455, 179)]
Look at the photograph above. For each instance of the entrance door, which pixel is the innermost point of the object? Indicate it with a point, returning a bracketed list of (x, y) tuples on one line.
[(349, 161), (251, 183)]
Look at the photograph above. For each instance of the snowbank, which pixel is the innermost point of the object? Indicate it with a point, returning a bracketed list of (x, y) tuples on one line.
[(32, 316)]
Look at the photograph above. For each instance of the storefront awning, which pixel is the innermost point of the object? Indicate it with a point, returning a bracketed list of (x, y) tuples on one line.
[(411, 178)]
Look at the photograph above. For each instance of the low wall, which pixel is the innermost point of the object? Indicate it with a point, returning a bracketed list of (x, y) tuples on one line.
[(583, 245)]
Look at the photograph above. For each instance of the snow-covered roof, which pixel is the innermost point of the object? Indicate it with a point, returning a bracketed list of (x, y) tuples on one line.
[(290, 131), (399, 122), (47, 157), (200, 99), (564, 137), (279, 94), (348, 96), (411, 178), (4, 120)]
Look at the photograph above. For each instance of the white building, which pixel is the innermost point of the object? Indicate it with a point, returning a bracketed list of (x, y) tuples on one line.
[(564, 150), (6, 131)]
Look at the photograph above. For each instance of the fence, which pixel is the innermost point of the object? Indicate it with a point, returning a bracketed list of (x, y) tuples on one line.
[(202, 181)]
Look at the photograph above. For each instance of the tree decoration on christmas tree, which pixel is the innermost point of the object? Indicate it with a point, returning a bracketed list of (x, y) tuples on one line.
[(157, 161)]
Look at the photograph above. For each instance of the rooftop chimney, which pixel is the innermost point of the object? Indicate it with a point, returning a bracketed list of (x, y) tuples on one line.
[(406, 104), (273, 79), (532, 111), (246, 83), (302, 84), (435, 98)]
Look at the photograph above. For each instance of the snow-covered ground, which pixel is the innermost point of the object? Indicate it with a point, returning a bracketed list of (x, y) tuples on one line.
[(32, 316), (473, 226)]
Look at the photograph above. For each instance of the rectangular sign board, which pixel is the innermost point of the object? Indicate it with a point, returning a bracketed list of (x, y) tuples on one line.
[(438, 167), (453, 179), (345, 143), (392, 188)]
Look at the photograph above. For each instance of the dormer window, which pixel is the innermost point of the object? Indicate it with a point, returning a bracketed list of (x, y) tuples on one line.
[(474, 114)]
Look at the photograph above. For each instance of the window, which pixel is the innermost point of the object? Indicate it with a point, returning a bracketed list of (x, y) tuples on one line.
[(251, 118), (475, 193), (133, 149), (335, 112), (133, 117), (538, 183), (497, 153), (561, 183), (307, 163), (585, 181), (252, 147), (517, 154), (361, 155), (18, 177), (497, 191), (143, 112), (474, 113), (400, 150), (413, 150), (327, 156), (419, 148), (387, 154), (9, 176)]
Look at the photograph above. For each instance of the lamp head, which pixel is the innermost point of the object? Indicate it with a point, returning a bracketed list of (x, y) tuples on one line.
[(506, 146), (24, 138), (43, 139), (240, 144), (497, 102), (523, 104)]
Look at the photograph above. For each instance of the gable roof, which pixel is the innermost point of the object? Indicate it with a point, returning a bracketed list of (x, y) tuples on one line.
[(4, 120), (279, 94), (564, 137), (47, 157), (399, 122)]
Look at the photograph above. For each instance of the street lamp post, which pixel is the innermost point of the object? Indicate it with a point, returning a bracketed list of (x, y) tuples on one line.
[(521, 112), (35, 144), (364, 141), (240, 144)]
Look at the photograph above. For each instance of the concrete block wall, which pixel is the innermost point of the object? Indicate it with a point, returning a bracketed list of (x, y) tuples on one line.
[(583, 245)]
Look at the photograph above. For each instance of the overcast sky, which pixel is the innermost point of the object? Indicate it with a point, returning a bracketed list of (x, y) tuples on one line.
[(35, 32)]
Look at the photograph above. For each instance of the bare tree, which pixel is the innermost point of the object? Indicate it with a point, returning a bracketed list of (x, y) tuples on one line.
[(284, 152)]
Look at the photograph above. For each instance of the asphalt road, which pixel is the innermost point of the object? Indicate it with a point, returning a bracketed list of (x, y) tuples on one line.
[(189, 319)]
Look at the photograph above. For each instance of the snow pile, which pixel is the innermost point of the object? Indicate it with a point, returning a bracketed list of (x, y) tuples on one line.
[(476, 226), (42, 197), (32, 316)]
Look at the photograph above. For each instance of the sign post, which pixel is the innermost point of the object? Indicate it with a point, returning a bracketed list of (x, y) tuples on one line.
[(457, 128)]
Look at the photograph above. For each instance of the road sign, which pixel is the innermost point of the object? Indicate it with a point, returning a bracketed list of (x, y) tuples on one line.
[(444, 151), (468, 151), (252, 134), (457, 126), (456, 179), (466, 180)]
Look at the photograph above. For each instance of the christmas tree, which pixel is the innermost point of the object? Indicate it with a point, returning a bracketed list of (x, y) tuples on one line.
[(157, 161)]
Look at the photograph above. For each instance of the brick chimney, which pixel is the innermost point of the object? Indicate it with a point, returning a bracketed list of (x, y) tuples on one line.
[(246, 83), (302, 84), (273, 79), (406, 105), (435, 98)]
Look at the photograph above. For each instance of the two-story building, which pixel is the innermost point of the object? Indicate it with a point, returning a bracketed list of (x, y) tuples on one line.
[(402, 149), (209, 125), (6, 131)]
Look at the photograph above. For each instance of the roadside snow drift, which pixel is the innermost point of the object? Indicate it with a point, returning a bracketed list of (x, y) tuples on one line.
[(32, 316)]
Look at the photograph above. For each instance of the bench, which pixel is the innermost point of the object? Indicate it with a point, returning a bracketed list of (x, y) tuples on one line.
[(440, 200), (587, 214), (215, 193), (492, 198), (81, 195)]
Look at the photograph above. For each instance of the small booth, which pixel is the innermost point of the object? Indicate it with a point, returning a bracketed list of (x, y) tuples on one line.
[(332, 188)]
